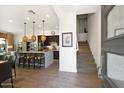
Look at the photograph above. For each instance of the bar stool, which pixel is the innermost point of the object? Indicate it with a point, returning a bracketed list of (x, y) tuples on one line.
[(27, 59), (32, 60), (41, 60), (22, 58)]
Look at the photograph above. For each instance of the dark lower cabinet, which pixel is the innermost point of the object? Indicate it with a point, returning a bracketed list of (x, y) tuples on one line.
[(56, 54)]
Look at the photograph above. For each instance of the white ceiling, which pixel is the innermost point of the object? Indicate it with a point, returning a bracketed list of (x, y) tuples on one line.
[(18, 14)]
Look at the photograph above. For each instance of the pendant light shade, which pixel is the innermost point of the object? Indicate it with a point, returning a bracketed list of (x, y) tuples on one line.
[(43, 37), (33, 37), (25, 38)]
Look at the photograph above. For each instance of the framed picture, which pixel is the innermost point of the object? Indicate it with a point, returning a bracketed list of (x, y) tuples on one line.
[(67, 39)]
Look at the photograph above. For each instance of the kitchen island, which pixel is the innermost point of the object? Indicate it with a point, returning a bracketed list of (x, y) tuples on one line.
[(47, 54)]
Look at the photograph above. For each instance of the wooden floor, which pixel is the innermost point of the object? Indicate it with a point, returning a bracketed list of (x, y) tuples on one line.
[(51, 78)]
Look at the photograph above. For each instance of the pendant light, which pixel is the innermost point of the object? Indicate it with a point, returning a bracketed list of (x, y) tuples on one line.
[(25, 38), (43, 37), (33, 37)]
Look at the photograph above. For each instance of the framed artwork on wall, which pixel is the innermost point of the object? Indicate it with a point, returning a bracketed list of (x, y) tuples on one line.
[(67, 39)]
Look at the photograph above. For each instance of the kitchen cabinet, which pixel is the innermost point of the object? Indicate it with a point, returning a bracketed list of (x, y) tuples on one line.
[(56, 54), (10, 41), (9, 38)]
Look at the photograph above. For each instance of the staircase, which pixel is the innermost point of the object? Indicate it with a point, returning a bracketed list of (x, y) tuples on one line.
[(85, 63)]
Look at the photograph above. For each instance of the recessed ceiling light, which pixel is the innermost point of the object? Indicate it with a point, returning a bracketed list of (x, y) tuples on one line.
[(28, 18), (10, 20), (48, 15)]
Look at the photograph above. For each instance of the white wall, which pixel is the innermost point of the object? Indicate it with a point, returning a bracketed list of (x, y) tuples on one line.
[(68, 54), (67, 23), (94, 34)]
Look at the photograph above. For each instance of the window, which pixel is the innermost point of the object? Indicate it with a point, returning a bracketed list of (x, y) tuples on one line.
[(115, 21)]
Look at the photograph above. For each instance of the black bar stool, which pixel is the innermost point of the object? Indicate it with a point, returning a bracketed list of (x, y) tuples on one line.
[(28, 59), (41, 60), (22, 58), (32, 59)]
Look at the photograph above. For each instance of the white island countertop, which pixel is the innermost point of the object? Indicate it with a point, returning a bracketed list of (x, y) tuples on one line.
[(44, 51)]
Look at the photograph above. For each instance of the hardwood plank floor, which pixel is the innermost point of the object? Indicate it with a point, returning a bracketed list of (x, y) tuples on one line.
[(51, 77)]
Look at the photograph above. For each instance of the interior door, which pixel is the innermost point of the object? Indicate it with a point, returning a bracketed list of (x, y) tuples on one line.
[(113, 46)]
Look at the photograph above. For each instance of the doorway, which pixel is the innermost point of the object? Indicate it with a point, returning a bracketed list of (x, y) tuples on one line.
[(82, 28), (85, 60), (113, 46)]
